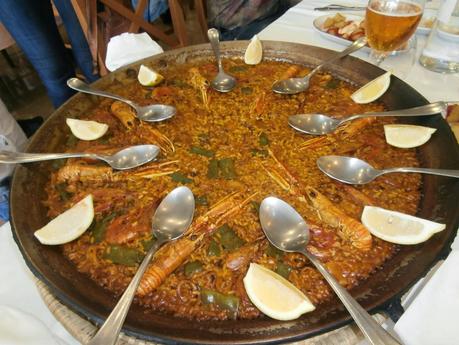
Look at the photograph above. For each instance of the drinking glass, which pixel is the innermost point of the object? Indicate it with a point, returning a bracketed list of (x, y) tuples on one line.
[(401, 61), (389, 24)]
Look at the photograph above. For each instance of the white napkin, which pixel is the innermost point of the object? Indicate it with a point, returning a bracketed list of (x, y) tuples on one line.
[(433, 317), (127, 48)]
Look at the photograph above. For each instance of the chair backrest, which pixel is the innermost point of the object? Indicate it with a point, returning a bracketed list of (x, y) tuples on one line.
[(86, 11)]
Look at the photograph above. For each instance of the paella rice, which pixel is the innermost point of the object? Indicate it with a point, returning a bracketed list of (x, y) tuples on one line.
[(232, 150)]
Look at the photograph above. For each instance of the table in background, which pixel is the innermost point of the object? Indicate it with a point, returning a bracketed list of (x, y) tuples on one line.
[(296, 26)]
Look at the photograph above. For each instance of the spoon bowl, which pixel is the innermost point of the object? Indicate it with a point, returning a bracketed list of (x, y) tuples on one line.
[(170, 221), (131, 157), (296, 85), (148, 113), (283, 226), (314, 124), (223, 82), (128, 158), (318, 124), (286, 229), (356, 171)]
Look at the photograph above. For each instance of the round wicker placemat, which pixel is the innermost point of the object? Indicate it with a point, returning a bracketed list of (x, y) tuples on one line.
[(82, 330)]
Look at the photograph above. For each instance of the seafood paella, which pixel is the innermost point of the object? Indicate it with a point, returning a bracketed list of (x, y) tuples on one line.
[(232, 150)]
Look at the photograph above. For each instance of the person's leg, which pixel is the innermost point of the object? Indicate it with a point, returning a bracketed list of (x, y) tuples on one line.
[(32, 25), (80, 48)]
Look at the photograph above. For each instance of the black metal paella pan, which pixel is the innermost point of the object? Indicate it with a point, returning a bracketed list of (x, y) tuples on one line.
[(85, 297)]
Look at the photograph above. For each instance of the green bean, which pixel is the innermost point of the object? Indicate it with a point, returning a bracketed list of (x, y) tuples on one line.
[(263, 139), (212, 171), (178, 177), (148, 243), (228, 238), (58, 163), (237, 69), (332, 84), (98, 228), (226, 166), (213, 249), (283, 270), (193, 267), (228, 302), (274, 252), (121, 255), (246, 90), (222, 168), (200, 151)]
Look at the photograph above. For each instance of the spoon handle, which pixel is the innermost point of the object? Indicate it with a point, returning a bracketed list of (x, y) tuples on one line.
[(108, 333), (20, 157), (79, 85), (214, 39), (424, 110), (440, 172), (373, 331), (356, 45), (336, 7)]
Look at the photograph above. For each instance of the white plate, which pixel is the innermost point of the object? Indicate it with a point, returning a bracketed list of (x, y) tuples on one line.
[(318, 25)]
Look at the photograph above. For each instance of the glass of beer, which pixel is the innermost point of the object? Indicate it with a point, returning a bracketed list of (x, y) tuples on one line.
[(389, 24)]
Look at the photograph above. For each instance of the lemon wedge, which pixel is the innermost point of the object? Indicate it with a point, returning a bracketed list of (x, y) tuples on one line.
[(69, 225), (275, 296), (407, 136), (372, 90), (86, 130), (254, 52), (148, 77), (396, 227)]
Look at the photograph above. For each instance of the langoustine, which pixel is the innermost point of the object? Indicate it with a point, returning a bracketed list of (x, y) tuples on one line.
[(125, 114), (349, 229), (80, 172), (172, 255)]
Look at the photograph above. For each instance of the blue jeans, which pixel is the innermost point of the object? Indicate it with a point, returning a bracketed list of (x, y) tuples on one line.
[(32, 25)]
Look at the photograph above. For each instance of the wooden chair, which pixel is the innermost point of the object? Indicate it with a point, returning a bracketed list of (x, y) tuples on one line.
[(86, 11)]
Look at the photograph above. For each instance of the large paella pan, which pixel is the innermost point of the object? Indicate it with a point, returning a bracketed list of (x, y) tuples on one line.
[(236, 148)]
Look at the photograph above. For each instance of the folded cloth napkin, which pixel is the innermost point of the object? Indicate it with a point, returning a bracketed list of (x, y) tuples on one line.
[(127, 48), (433, 316)]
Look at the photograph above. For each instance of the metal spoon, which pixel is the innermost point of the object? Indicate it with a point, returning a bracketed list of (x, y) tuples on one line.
[(149, 113), (223, 82), (127, 158), (172, 218), (287, 230), (296, 85), (318, 124), (356, 171)]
